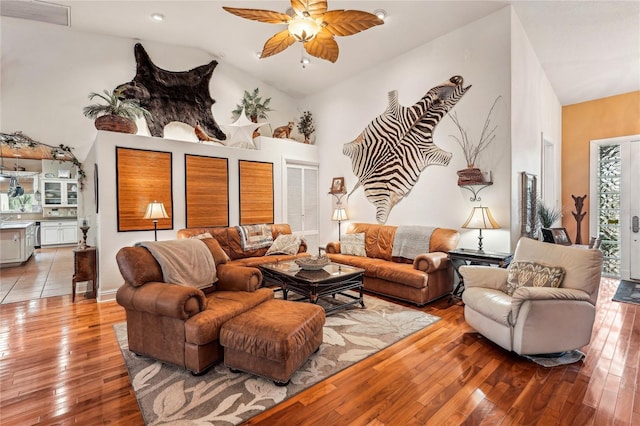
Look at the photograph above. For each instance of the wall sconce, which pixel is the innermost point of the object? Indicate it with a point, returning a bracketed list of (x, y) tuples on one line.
[(480, 218), (155, 211)]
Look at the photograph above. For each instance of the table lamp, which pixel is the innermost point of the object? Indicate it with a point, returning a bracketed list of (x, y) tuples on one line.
[(155, 211), (480, 218)]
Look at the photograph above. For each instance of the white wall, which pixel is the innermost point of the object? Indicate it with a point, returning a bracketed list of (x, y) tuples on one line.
[(536, 111), (479, 52), (48, 72), (105, 223)]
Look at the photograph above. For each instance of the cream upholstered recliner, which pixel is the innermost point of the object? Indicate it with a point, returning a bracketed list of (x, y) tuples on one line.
[(536, 320)]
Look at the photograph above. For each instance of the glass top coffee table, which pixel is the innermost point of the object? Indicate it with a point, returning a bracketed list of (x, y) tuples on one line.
[(333, 279)]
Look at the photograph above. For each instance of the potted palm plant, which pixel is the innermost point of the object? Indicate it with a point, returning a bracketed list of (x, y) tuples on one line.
[(115, 113), (547, 215), (254, 106)]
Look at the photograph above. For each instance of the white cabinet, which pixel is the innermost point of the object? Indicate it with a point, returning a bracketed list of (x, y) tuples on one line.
[(59, 192), (16, 244), (10, 245), (59, 232)]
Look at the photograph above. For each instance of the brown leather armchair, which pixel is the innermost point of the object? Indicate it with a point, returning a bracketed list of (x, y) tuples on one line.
[(180, 324)]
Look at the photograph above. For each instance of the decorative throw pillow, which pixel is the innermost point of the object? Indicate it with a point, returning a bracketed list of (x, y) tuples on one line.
[(523, 273), (285, 244), (353, 244), (219, 255)]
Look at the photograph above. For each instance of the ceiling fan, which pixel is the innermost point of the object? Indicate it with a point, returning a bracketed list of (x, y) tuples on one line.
[(311, 24)]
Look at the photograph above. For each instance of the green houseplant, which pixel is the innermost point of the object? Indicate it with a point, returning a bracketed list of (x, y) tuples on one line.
[(254, 106), (114, 112), (305, 125), (547, 215)]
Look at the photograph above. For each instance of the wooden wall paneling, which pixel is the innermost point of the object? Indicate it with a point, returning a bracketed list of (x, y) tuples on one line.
[(256, 192), (142, 176), (206, 191)]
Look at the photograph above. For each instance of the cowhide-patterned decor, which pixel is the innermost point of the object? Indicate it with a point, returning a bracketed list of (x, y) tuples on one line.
[(174, 96), (391, 152)]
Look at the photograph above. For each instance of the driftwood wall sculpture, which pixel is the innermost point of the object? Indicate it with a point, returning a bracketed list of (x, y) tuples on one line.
[(173, 96), (391, 152)]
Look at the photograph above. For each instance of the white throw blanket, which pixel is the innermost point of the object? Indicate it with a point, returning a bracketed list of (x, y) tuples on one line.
[(254, 237), (186, 262), (410, 241)]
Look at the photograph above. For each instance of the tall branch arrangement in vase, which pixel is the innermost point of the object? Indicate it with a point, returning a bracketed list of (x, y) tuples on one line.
[(471, 150)]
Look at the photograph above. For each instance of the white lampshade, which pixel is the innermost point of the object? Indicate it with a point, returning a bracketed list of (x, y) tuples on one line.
[(481, 218), (340, 213), (155, 210)]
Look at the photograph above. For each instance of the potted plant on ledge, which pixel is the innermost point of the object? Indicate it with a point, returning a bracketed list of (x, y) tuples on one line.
[(116, 114), (305, 126)]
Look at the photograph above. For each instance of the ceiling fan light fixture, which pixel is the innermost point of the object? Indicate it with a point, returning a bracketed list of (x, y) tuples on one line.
[(303, 28), (380, 13)]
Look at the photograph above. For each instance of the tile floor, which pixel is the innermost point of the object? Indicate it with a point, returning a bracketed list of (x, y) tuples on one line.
[(47, 273)]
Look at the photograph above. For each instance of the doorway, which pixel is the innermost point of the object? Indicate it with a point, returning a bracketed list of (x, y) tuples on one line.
[(301, 198), (615, 178)]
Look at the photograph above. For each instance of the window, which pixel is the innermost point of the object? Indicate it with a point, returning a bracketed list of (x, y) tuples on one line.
[(609, 173)]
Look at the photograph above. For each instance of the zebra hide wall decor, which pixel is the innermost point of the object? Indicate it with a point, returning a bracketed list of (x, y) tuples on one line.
[(388, 156)]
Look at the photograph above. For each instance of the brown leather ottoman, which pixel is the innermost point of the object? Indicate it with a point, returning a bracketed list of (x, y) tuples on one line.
[(273, 339)]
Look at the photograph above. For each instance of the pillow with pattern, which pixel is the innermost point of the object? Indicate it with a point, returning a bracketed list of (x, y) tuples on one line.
[(353, 244), (285, 244), (523, 273)]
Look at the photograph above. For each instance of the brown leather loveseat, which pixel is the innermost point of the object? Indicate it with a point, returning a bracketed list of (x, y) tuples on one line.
[(420, 280)]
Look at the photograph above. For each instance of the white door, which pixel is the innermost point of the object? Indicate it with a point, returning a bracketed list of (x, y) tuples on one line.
[(634, 210), (615, 203), (302, 203)]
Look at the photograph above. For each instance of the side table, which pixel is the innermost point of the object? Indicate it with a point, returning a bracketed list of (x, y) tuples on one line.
[(84, 261), (460, 257)]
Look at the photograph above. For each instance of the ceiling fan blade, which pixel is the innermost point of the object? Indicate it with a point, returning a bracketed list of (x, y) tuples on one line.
[(268, 16), (349, 22), (323, 46), (277, 44), (315, 8)]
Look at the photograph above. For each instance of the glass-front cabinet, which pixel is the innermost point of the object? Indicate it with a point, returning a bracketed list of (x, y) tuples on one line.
[(60, 193)]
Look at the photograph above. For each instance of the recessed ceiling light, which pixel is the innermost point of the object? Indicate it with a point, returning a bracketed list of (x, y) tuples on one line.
[(157, 17), (380, 13)]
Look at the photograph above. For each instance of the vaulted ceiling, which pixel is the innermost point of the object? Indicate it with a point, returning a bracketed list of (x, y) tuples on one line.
[(589, 49)]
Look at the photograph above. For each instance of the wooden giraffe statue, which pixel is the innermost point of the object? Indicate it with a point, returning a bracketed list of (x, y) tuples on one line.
[(578, 215)]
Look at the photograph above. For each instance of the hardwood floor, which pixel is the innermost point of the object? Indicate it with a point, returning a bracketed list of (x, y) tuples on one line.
[(60, 364)]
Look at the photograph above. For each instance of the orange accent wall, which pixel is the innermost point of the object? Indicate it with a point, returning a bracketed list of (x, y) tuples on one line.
[(599, 119)]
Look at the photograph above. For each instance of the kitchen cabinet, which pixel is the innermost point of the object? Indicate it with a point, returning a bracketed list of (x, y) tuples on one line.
[(58, 232), (59, 192), (16, 242)]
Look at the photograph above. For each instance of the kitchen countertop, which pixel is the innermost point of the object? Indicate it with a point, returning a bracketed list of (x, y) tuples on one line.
[(16, 224)]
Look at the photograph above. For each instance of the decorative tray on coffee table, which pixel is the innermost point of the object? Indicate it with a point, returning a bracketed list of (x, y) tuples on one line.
[(312, 263)]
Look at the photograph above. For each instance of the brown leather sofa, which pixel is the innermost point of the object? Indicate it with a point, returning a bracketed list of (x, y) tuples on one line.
[(229, 240), (180, 324), (421, 280)]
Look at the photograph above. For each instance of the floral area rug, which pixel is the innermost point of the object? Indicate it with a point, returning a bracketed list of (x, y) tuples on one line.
[(170, 395)]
